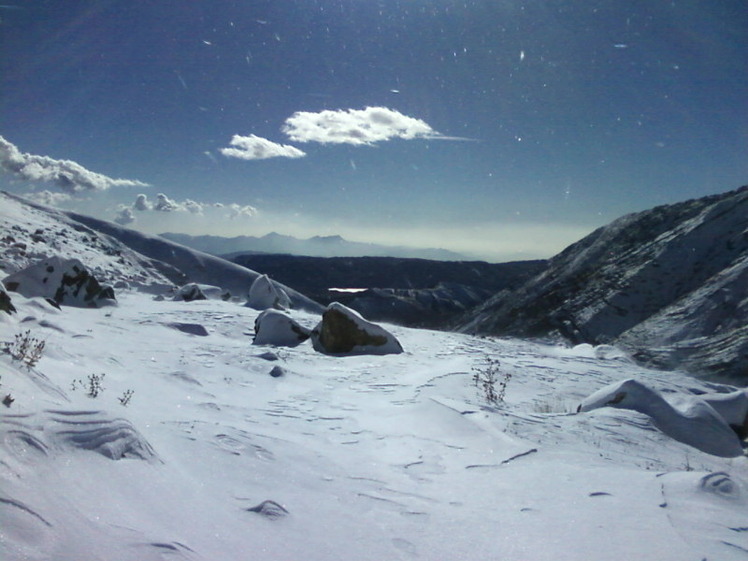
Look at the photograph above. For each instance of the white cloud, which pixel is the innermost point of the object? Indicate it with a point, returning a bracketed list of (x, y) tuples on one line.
[(355, 126), (235, 210), (253, 147), (125, 216), (193, 206), (141, 203), (48, 197), (68, 176), (163, 203)]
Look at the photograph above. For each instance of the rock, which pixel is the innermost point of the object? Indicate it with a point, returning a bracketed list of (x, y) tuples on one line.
[(278, 371), (62, 281), (5, 304), (343, 331), (189, 293), (265, 294), (273, 327)]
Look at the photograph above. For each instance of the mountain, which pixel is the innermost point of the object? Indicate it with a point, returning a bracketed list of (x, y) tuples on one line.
[(317, 246), (114, 253), (414, 292), (669, 285)]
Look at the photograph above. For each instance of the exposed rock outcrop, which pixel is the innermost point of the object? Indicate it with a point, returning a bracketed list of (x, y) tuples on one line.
[(63, 281), (5, 304), (343, 331)]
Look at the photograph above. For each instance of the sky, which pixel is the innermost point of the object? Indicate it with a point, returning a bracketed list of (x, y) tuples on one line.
[(498, 129)]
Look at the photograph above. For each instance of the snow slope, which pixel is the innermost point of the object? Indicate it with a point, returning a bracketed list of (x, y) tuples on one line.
[(370, 457), (31, 232), (669, 284)]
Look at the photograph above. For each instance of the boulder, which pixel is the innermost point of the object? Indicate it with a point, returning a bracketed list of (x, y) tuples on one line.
[(265, 294), (189, 293), (343, 331), (273, 327), (5, 304), (62, 281)]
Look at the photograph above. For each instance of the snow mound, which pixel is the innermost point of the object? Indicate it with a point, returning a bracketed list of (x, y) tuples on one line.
[(112, 438), (708, 510), (732, 407), (189, 293), (273, 327), (343, 331), (26, 437), (65, 281), (265, 294), (269, 509), (696, 423)]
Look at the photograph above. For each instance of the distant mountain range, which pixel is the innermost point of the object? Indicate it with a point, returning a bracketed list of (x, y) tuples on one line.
[(317, 246), (670, 285)]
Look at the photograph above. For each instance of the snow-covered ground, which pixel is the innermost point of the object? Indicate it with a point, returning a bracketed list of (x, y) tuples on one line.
[(366, 457)]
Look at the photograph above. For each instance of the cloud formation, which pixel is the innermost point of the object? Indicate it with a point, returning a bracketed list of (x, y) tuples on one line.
[(127, 214), (48, 198), (66, 175), (355, 126), (254, 147)]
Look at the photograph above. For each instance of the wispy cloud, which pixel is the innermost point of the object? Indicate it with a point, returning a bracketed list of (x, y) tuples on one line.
[(48, 198), (254, 147), (355, 126), (66, 175)]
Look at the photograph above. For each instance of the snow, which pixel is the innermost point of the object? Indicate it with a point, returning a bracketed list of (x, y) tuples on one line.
[(264, 294), (695, 422), (362, 457), (273, 327), (227, 450)]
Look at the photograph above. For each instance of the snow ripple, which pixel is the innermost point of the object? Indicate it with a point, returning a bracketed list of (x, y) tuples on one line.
[(112, 438)]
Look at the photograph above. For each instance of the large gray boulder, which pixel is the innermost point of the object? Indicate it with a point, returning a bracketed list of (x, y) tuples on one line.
[(343, 331), (63, 281)]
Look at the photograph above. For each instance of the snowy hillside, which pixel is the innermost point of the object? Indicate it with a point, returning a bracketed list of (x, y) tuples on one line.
[(669, 284), (114, 254), (155, 429)]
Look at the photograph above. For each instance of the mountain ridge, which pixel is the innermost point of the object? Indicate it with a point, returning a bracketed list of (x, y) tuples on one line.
[(315, 246), (637, 283)]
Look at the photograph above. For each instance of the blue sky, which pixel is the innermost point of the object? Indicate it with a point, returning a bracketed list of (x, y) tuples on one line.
[(496, 128)]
